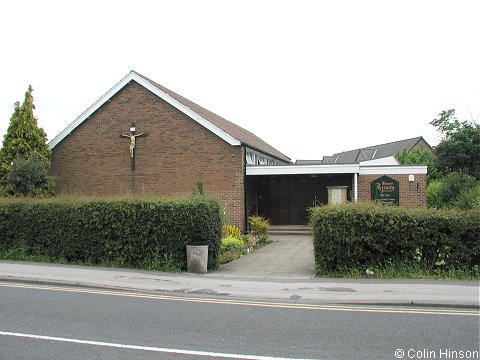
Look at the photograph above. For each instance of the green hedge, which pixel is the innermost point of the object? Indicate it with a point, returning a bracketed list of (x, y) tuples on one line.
[(357, 236), (138, 233)]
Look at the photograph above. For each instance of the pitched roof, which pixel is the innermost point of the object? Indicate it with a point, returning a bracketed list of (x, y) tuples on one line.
[(228, 131), (244, 136), (372, 152)]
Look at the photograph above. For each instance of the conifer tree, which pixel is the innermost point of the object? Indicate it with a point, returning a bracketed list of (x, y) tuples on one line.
[(24, 137), (23, 140)]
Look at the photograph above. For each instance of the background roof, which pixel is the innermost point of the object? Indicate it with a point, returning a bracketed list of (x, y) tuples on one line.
[(372, 152)]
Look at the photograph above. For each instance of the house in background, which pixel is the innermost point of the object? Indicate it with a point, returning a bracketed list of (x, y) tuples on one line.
[(383, 153), (141, 137), (377, 152)]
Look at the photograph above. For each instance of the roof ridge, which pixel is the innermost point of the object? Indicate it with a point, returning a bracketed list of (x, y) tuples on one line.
[(373, 147), (391, 142), (215, 119), (230, 132), (188, 100)]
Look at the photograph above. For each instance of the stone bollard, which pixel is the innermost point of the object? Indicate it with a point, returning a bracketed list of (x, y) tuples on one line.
[(197, 258)]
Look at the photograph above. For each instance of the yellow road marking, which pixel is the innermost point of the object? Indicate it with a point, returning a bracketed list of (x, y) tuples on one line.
[(369, 309)]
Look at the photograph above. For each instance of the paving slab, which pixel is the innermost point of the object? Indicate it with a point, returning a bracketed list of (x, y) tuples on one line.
[(328, 291), (287, 257)]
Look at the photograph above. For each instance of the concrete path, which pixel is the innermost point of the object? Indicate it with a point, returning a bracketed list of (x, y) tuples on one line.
[(287, 257)]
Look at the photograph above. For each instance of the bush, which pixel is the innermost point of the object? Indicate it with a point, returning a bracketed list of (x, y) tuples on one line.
[(453, 185), (434, 199), (456, 190), (231, 243), (137, 233), (468, 199), (259, 226), (231, 230), (358, 236), (29, 176)]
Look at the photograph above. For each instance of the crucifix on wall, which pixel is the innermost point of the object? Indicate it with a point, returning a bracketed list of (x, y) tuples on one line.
[(133, 137)]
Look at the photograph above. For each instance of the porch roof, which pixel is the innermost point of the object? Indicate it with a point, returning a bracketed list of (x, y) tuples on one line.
[(357, 168)]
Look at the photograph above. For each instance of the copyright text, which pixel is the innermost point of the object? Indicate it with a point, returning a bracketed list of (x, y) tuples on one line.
[(436, 354)]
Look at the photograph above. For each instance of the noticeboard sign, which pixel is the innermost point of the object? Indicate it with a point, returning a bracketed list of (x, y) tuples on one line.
[(385, 190)]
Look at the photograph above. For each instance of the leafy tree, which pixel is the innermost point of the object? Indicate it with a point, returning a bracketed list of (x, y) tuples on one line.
[(22, 140), (417, 156), (459, 149)]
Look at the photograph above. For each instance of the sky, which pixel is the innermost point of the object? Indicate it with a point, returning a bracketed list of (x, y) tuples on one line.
[(311, 78)]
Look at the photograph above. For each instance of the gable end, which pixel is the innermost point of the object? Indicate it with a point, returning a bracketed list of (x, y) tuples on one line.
[(133, 76)]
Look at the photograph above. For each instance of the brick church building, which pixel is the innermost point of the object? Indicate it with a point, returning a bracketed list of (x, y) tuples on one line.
[(141, 138)]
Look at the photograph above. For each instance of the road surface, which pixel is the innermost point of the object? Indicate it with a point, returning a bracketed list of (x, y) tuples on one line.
[(54, 322)]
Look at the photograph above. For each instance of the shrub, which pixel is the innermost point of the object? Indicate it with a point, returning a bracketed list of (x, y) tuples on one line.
[(363, 235), (231, 243), (231, 230), (468, 199), (29, 176), (456, 190), (434, 199), (453, 185), (259, 226), (137, 233)]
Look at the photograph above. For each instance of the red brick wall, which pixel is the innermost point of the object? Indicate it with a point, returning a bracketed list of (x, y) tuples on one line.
[(422, 145), (410, 194), (176, 153)]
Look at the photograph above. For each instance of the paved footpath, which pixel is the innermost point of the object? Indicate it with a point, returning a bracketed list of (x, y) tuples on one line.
[(287, 257), (319, 291)]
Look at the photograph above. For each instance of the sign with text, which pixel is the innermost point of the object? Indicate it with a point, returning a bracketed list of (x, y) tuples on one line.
[(385, 190)]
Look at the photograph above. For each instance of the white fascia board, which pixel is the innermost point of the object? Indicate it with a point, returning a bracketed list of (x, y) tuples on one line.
[(302, 169), (94, 107), (393, 170), (167, 98), (187, 111)]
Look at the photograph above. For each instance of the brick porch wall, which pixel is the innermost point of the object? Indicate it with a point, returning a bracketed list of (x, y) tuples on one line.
[(410, 195), (176, 153)]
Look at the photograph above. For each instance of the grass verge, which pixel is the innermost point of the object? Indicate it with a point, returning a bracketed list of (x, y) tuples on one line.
[(404, 271)]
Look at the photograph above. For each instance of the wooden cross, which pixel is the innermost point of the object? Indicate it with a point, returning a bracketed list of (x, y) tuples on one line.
[(132, 136)]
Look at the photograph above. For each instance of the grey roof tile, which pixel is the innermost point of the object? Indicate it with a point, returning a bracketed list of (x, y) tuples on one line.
[(372, 152), (244, 136)]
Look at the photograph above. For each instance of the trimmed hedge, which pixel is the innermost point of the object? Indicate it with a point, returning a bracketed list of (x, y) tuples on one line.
[(356, 236), (137, 233)]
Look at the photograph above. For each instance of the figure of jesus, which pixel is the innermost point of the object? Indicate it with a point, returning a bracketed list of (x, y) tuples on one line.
[(132, 142)]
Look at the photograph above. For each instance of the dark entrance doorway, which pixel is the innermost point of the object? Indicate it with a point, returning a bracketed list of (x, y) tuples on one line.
[(285, 199)]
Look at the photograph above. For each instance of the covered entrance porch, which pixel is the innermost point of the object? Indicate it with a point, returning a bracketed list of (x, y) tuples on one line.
[(284, 194)]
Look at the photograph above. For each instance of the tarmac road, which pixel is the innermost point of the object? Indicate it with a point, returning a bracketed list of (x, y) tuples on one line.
[(59, 322), (328, 291)]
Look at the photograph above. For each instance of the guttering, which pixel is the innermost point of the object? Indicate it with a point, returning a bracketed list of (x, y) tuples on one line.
[(302, 169), (259, 170), (393, 170)]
